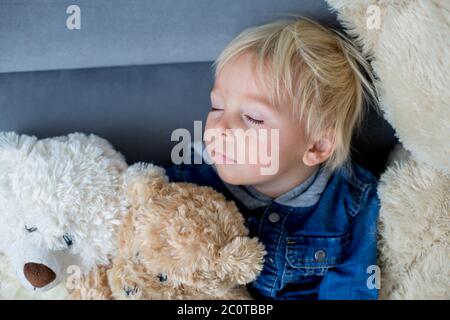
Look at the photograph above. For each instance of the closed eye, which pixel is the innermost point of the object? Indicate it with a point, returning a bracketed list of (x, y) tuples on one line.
[(253, 121), (162, 277), (215, 109), (68, 239), (31, 229)]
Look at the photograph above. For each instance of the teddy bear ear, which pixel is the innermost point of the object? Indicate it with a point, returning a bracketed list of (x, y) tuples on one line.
[(241, 260), (104, 145), (13, 147), (143, 180), (146, 171)]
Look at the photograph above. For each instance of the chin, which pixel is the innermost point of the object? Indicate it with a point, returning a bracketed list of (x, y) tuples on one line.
[(228, 175), (237, 175)]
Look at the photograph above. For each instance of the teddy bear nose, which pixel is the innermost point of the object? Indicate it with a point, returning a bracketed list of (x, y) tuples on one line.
[(38, 275)]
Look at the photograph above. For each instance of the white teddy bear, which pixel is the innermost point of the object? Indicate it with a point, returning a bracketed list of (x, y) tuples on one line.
[(408, 43), (61, 200)]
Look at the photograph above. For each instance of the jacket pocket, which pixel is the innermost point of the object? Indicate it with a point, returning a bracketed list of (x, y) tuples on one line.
[(313, 255)]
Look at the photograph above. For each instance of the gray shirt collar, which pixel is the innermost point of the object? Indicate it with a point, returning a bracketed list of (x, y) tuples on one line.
[(305, 194)]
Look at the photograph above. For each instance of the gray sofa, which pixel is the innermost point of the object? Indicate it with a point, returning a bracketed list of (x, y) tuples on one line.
[(135, 71)]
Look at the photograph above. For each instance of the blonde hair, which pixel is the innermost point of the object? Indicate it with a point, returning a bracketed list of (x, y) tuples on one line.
[(317, 70)]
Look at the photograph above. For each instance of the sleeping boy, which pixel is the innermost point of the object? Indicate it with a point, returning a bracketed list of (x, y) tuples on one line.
[(316, 213)]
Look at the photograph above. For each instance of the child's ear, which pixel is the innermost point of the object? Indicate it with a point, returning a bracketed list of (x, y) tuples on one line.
[(241, 260), (319, 151)]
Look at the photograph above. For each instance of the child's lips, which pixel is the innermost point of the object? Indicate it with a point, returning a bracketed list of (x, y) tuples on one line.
[(222, 158)]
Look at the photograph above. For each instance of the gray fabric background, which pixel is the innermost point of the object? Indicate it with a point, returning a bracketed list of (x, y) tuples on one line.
[(33, 33)]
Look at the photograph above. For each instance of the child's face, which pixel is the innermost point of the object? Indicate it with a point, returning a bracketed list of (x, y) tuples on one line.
[(239, 102)]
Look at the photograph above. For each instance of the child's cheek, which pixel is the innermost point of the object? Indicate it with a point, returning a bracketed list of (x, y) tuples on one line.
[(268, 146)]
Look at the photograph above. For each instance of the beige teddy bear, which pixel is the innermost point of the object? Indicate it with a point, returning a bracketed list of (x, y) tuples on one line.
[(178, 241), (408, 42)]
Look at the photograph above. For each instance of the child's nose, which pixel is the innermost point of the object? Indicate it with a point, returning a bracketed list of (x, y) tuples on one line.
[(227, 123), (223, 125)]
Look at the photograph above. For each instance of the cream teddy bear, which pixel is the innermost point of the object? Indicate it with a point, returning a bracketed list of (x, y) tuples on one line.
[(408, 44), (61, 200)]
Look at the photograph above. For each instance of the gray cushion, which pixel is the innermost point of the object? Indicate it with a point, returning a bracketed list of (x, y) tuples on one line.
[(33, 33), (136, 108)]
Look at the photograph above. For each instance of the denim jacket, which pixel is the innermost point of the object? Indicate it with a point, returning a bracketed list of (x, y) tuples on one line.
[(323, 251)]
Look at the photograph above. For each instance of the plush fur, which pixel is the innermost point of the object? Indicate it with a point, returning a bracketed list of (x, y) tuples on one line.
[(178, 241), (414, 230), (409, 54), (61, 200)]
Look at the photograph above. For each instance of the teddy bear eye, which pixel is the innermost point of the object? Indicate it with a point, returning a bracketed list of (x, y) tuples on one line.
[(68, 239), (162, 277), (30, 230)]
